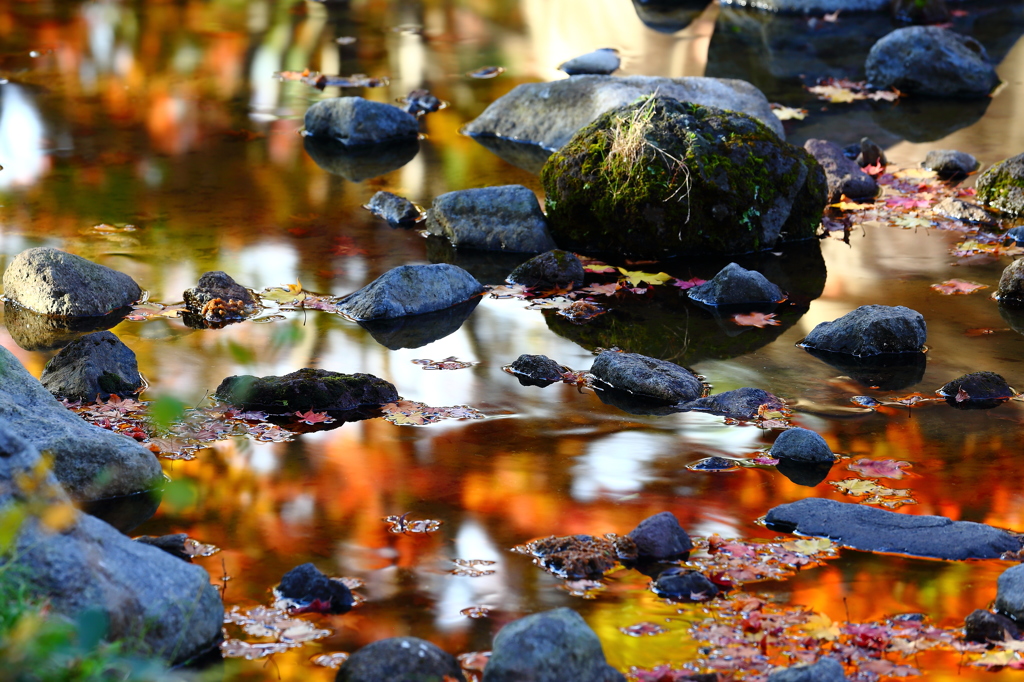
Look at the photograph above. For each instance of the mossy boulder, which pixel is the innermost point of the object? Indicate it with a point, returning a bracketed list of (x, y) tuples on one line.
[(306, 389), (1002, 185), (662, 177)]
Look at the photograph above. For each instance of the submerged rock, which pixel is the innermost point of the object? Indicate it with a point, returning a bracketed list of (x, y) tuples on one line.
[(871, 330), (549, 114), (552, 646), (411, 290), (306, 389), (548, 270), (219, 298), (1010, 593), (876, 530), (660, 538), (91, 463), (355, 122), (660, 177), (740, 403), (1001, 186), (506, 218), (844, 177), (928, 60), (400, 658), (49, 281), (977, 390), (601, 62), (950, 163), (824, 670), (536, 370), (802, 445), (96, 365), (647, 377), (398, 211), (735, 285), (153, 603), (869, 153), (306, 585), (958, 209), (684, 584), (985, 626), (1010, 291)]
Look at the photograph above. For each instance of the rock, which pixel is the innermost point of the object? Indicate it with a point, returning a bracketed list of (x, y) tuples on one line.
[(871, 330), (35, 331), (398, 211), (842, 175), (154, 603), (355, 122), (949, 163), (172, 544), (1016, 234), (536, 370), (90, 462), (305, 585), (660, 537), (419, 102), (1010, 291), (958, 209), (877, 530), (824, 670), (741, 403), (802, 445), (806, 7), (696, 194), (126, 512), (601, 62), (668, 16), (920, 11), (506, 218), (646, 376), (549, 114), (735, 285), (578, 557), (713, 464), (319, 390), (552, 646), (684, 584), (985, 626), (52, 282), (219, 298), (1010, 593), (411, 290), (414, 331), (928, 60), (1001, 187), (887, 372), (400, 658), (94, 365), (548, 270), (977, 390), (356, 164), (869, 154)]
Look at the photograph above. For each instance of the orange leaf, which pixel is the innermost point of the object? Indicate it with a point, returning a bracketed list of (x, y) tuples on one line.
[(958, 286), (755, 319)]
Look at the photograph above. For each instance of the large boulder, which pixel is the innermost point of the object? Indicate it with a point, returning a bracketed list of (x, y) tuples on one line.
[(411, 290), (660, 177), (94, 365), (843, 175), (870, 330), (1001, 186), (49, 281), (647, 377), (356, 122), (877, 530), (928, 60), (506, 218), (552, 646), (306, 389), (549, 114), (153, 602), (90, 462)]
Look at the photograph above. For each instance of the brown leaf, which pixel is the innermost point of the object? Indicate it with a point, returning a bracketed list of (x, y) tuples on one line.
[(755, 319)]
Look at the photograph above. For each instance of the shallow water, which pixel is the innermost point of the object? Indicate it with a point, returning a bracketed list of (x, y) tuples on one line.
[(165, 117)]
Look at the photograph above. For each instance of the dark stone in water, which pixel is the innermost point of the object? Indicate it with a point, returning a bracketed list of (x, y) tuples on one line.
[(505, 218), (876, 530), (741, 403), (93, 366), (647, 377), (411, 290), (977, 390), (356, 164), (803, 473), (236, 301), (1002, 186), (305, 584), (413, 331), (1010, 292), (398, 211), (824, 670), (714, 464), (306, 389), (660, 537), (1010, 593), (400, 658), (668, 16), (844, 176), (419, 102), (871, 330), (358, 122), (802, 445), (985, 626), (172, 544), (35, 331), (734, 285), (950, 163), (887, 372), (548, 270), (632, 403), (1017, 235), (126, 512), (536, 370), (602, 61), (684, 584), (965, 211), (928, 60)]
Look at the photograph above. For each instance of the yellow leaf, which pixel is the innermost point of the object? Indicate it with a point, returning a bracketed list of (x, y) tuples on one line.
[(809, 545), (997, 658), (58, 517), (852, 206), (820, 626), (789, 113), (834, 93), (857, 486), (636, 278)]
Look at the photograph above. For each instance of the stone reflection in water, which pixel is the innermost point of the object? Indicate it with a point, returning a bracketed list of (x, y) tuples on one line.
[(356, 164), (668, 16), (33, 331), (414, 331), (888, 372)]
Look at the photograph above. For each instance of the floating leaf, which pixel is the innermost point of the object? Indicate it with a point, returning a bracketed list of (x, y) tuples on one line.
[(471, 568), (601, 289), (685, 284), (402, 524), (412, 413), (881, 468), (597, 266), (581, 311), (784, 113), (476, 612), (820, 626), (645, 629), (487, 72), (450, 362), (809, 546), (332, 660), (755, 319), (508, 291), (958, 286), (636, 278), (311, 417)]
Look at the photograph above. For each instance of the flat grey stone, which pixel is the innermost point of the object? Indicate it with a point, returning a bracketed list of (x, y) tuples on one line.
[(648, 377), (950, 162), (356, 122), (505, 218), (958, 209), (411, 290), (735, 285)]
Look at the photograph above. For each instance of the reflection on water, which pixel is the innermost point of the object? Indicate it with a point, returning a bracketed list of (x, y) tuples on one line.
[(166, 117)]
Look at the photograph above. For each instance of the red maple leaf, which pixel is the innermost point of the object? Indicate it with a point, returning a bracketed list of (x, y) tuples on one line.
[(315, 606), (312, 417)]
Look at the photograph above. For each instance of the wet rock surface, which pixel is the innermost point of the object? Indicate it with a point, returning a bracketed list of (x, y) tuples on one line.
[(684, 584), (356, 122), (577, 557), (660, 537), (824, 670), (398, 211), (306, 585), (1002, 186), (977, 390), (1010, 593), (411, 290), (844, 177), (90, 462), (702, 189), (740, 403), (536, 370), (871, 330), (506, 218), (548, 270), (950, 163), (735, 285), (647, 377), (154, 603), (958, 209), (219, 298), (93, 365), (52, 282), (803, 446), (928, 60), (552, 646), (173, 544), (877, 530), (549, 114), (400, 658), (306, 389), (601, 62), (985, 626), (1010, 291)]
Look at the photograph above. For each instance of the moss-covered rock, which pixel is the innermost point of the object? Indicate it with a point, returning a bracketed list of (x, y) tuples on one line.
[(1002, 185), (306, 389), (662, 177)]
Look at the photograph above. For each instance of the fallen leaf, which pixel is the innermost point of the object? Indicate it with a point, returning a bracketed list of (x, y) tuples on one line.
[(476, 612), (311, 417), (881, 468), (636, 278), (961, 395), (645, 629), (755, 319), (832, 17), (487, 72), (958, 286), (685, 284), (449, 363), (833, 93), (788, 113), (820, 626), (601, 289), (332, 660)]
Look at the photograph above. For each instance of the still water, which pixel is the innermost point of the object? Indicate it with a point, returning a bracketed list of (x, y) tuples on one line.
[(165, 116)]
